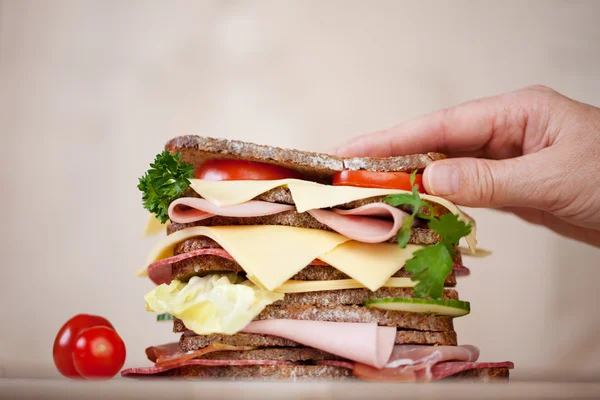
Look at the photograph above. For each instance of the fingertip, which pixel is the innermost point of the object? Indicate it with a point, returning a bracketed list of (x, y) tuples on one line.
[(442, 179)]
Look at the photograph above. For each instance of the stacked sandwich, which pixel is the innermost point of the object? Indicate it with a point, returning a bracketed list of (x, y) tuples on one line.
[(283, 264)]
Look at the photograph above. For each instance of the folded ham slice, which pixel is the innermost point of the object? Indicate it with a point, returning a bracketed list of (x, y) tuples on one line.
[(191, 209), (365, 343), (371, 223), (358, 224), (411, 363)]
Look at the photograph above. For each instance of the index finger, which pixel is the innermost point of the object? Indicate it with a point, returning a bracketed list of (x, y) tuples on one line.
[(493, 127)]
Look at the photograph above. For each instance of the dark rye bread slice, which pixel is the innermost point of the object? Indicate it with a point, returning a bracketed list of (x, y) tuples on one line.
[(202, 265), (197, 342), (293, 354), (398, 319), (300, 220), (261, 373), (318, 166), (330, 298), (313, 372), (482, 375)]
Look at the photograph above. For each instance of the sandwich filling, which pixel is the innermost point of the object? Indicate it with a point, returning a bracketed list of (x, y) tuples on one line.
[(270, 272)]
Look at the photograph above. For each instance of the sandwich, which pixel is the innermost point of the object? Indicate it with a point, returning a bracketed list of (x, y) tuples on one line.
[(282, 264)]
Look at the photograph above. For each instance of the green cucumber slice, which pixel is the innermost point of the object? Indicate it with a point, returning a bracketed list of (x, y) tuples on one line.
[(452, 308), (164, 317)]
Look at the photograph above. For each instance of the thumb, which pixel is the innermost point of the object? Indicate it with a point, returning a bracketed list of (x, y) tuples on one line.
[(474, 182)]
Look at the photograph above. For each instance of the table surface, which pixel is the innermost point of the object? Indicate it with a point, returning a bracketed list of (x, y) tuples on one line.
[(149, 389)]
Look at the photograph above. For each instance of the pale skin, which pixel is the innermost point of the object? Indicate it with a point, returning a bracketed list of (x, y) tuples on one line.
[(533, 152)]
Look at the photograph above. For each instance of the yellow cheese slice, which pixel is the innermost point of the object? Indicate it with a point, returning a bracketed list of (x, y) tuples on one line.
[(154, 226), (479, 253), (370, 265), (293, 286), (309, 196), (271, 255)]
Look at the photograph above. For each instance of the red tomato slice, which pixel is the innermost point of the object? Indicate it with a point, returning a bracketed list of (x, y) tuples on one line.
[(65, 341), (382, 180), (99, 353), (239, 170)]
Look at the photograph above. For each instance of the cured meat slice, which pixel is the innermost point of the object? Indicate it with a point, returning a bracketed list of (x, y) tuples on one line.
[(414, 362), (358, 223), (370, 223), (192, 209), (363, 342)]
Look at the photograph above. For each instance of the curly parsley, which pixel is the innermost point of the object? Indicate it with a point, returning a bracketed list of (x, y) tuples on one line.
[(165, 181)]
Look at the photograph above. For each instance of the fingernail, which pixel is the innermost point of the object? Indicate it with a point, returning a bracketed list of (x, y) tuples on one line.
[(443, 179)]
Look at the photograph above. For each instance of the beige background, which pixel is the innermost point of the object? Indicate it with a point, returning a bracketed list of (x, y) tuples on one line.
[(90, 91)]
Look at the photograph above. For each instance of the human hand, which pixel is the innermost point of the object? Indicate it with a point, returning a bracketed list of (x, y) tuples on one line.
[(538, 156)]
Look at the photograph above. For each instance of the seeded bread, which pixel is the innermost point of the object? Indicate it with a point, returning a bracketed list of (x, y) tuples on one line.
[(398, 319), (202, 265), (293, 354), (314, 372), (318, 166), (482, 375), (192, 342), (330, 298), (262, 373)]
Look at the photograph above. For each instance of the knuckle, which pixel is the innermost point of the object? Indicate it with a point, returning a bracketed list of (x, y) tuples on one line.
[(484, 183), (541, 89)]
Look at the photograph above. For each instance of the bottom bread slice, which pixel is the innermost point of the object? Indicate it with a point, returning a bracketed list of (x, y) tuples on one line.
[(311, 372)]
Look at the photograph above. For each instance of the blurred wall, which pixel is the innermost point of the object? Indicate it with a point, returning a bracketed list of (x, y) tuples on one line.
[(90, 91)]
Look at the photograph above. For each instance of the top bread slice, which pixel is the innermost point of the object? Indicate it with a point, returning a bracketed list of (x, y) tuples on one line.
[(318, 166)]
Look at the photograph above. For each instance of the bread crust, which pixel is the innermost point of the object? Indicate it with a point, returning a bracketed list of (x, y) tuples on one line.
[(315, 372), (398, 319), (318, 166), (333, 298), (263, 373)]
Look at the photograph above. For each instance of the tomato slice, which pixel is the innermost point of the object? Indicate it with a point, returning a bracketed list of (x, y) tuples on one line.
[(65, 341), (99, 353), (241, 170), (382, 180)]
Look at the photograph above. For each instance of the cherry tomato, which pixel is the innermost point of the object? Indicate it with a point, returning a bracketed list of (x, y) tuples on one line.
[(238, 170), (99, 353), (65, 341), (383, 180)]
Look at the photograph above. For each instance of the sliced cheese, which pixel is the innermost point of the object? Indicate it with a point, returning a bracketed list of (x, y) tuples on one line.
[(479, 253), (309, 195), (154, 226), (293, 286), (370, 265), (271, 255)]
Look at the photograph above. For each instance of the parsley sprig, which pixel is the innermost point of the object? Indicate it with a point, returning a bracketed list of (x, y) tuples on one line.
[(431, 265), (165, 181)]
